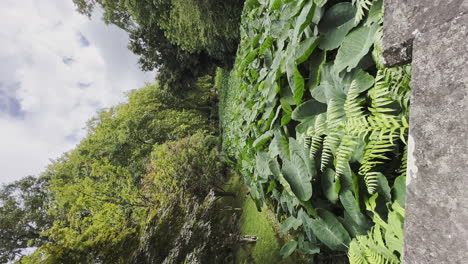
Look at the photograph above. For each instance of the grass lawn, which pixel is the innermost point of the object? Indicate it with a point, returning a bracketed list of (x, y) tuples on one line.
[(261, 224)]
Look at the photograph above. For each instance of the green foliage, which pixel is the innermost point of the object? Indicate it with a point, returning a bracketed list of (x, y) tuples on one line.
[(183, 40), (383, 243), (98, 197), (188, 167), (309, 97), (23, 216), (210, 26)]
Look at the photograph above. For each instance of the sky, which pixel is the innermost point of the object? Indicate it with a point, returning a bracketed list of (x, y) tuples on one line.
[(57, 68)]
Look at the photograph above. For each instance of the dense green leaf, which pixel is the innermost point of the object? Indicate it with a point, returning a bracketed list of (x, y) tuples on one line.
[(399, 190), (354, 47), (349, 203), (261, 164), (297, 172), (308, 109), (329, 185), (290, 222), (264, 138), (304, 18), (335, 24), (288, 248), (383, 188), (305, 49), (330, 231)]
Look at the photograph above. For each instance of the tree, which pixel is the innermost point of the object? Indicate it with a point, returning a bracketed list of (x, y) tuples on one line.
[(189, 167), (23, 216), (183, 40)]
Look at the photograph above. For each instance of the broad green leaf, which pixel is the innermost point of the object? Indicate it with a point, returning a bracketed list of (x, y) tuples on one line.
[(335, 24), (275, 4), (308, 109), (310, 248), (285, 119), (293, 173), (399, 190), (298, 86), (331, 85), (297, 148), (279, 146), (267, 43), (285, 106), (383, 188), (261, 164), (305, 48), (349, 203), (289, 202), (304, 18), (278, 110), (352, 228), (286, 90), (296, 82), (290, 222), (355, 46), (276, 171), (255, 41), (362, 80), (305, 124), (329, 185), (274, 167), (330, 231), (317, 59), (260, 141), (297, 172), (271, 186), (307, 223), (320, 3), (288, 248)]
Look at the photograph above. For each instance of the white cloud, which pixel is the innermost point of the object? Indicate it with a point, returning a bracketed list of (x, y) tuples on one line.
[(64, 67)]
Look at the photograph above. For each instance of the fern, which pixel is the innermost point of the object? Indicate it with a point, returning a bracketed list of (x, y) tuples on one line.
[(344, 153), (404, 162), (384, 242), (330, 144), (361, 6)]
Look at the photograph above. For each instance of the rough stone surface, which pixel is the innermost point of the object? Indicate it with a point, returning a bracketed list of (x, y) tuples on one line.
[(405, 19), (436, 224)]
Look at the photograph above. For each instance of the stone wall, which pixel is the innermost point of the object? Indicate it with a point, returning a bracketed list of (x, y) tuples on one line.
[(433, 36)]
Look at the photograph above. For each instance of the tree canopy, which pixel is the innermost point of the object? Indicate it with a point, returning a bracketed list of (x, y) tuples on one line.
[(181, 39)]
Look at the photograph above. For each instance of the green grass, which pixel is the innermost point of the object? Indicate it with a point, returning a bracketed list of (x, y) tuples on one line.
[(261, 224)]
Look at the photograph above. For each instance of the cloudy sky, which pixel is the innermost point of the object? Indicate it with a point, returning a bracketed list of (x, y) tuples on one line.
[(57, 68)]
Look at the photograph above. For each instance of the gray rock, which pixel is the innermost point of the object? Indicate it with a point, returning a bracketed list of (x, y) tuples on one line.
[(434, 35), (405, 19)]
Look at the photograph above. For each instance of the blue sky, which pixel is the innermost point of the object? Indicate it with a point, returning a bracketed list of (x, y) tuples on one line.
[(57, 68)]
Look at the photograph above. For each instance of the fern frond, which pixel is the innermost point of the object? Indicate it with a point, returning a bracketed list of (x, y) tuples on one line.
[(404, 162), (371, 180), (361, 6), (307, 140), (358, 126), (320, 125), (330, 144), (377, 53), (315, 146), (353, 106), (344, 153), (380, 96), (383, 243), (335, 114), (356, 252)]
